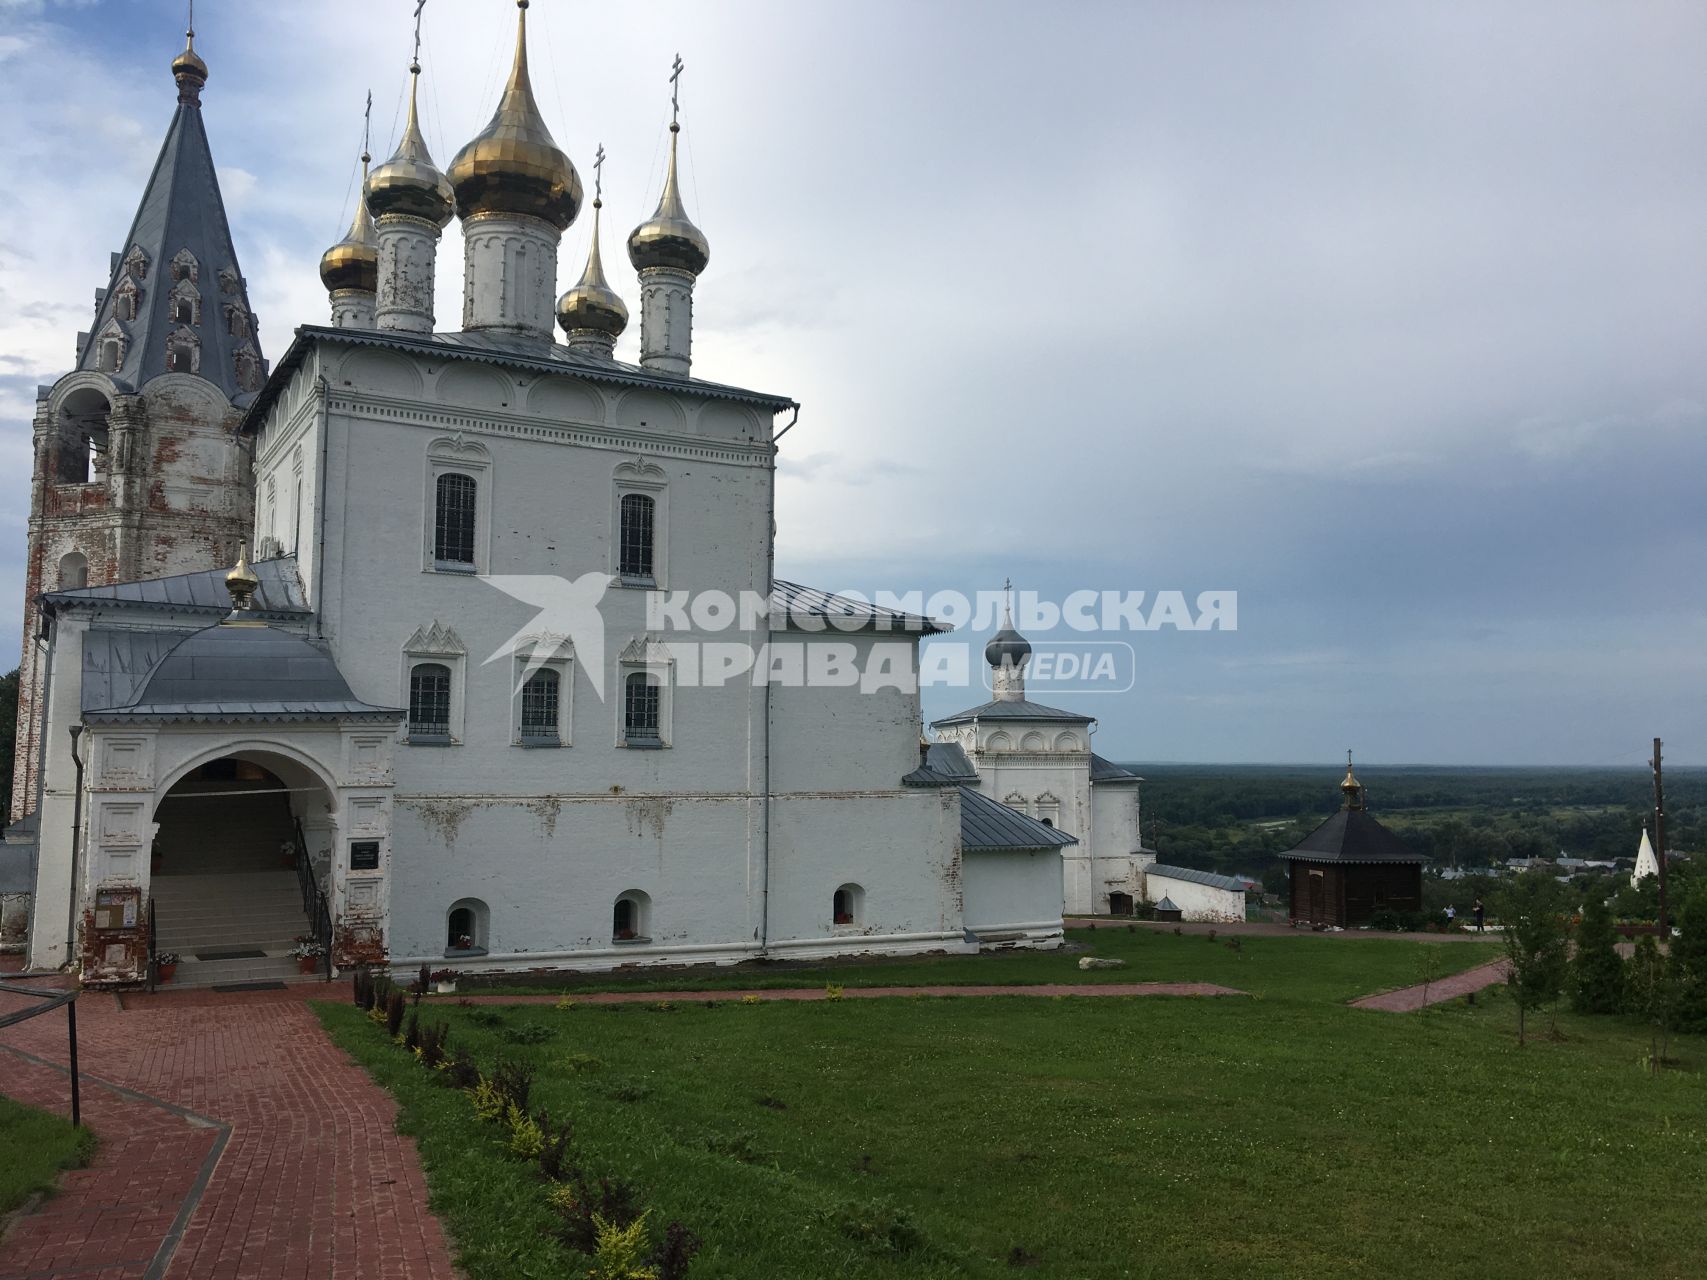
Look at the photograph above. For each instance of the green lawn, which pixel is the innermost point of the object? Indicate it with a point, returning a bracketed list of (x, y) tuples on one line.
[(1279, 1136), (37, 1146), (1306, 967)]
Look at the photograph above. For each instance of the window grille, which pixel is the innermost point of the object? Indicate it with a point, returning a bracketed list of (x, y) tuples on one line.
[(429, 701), (539, 707), (635, 560), (453, 526), (640, 709)]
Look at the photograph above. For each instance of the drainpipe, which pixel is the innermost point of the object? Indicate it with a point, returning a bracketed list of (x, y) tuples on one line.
[(76, 846), (321, 390), (770, 590)]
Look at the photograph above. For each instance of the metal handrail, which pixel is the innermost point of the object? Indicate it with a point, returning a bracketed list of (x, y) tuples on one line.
[(314, 904), (55, 997), (153, 948)]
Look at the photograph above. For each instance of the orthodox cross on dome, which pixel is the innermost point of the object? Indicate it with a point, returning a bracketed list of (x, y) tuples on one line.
[(675, 84), (598, 175), (367, 125), (415, 59)]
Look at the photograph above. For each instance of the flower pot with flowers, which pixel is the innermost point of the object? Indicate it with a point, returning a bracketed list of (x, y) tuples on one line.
[(307, 952), (444, 981), (165, 965)]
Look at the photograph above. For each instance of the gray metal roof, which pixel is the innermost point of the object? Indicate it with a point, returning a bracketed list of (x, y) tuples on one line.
[(116, 663), (1015, 709), (181, 209), (279, 595), (1107, 771), (944, 765), (227, 671), (810, 609), (1166, 904), (985, 824), (1193, 876), (508, 350)]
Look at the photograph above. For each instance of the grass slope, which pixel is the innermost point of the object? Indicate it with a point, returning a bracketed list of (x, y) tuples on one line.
[(1305, 966), (1280, 1136), (37, 1146)]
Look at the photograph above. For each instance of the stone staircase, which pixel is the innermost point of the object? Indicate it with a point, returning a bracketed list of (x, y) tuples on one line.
[(241, 911), (223, 886)]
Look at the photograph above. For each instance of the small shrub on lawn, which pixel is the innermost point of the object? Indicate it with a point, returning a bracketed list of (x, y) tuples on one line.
[(564, 1005), (394, 1010), (832, 991), (620, 1252), (750, 1000), (484, 1017), (412, 1032), (581, 1203), (462, 1071), (527, 1140), (489, 1104), (555, 1150), (431, 1049), (528, 1033), (361, 987), (513, 1081), (878, 1225), (677, 1251), (579, 1062)]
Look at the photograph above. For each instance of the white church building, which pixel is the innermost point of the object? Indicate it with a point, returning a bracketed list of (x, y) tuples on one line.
[(437, 716)]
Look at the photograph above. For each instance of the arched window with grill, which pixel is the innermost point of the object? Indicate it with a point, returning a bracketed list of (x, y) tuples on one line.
[(73, 571), (847, 905), (638, 540), (453, 522), (429, 702), (641, 705), (631, 917), (540, 708)]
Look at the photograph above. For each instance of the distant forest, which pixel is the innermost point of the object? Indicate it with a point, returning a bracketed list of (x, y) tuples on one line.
[(1238, 817)]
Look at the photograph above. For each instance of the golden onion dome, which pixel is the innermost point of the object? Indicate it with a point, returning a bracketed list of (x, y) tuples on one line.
[(668, 238), (188, 69), (592, 303), (353, 263), (409, 183), (512, 165)]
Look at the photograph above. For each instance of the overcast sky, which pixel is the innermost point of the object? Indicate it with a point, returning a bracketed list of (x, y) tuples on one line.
[(1389, 317)]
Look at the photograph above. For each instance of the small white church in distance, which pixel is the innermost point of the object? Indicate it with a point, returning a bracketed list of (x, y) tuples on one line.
[(356, 735)]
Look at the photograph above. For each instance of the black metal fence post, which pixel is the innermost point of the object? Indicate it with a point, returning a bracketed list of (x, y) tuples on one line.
[(71, 1030)]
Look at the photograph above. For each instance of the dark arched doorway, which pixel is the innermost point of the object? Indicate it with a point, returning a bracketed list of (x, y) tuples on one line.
[(224, 878)]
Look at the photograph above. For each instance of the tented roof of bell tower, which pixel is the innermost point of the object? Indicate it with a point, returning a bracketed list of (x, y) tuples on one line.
[(181, 213)]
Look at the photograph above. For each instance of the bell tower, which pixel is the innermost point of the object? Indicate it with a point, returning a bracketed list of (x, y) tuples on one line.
[(138, 472)]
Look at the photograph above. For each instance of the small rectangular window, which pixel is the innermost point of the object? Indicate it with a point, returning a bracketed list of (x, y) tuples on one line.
[(429, 703), (453, 525), (636, 543), (640, 719), (539, 709)]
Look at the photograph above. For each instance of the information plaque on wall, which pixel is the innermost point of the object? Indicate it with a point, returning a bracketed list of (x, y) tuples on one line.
[(364, 855)]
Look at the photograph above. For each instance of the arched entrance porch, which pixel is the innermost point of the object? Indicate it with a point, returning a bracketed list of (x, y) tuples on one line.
[(224, 871)]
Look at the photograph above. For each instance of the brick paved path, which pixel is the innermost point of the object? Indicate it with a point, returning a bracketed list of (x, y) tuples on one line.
[(236, 1142), (1409, 999), (871, 993)]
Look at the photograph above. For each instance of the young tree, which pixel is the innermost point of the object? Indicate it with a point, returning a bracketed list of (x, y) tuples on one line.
[(1597, 970), (1652, 991), (1689, 955), (1536, 945)]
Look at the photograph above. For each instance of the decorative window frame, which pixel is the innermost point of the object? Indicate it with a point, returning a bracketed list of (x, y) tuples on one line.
[(1047, 809), (648, 479), (458, 455), (436, 642), (652, 657), (228, 281), (136, 263), (127, 300), (112, 332), (184, 258), (184, 337), (548, 653), (1018, 803), (184, 291), (247, 367)]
